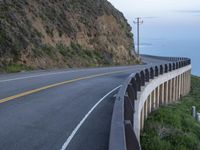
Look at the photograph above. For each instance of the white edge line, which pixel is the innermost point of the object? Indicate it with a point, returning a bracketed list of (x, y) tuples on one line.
[(39, 75), (65, 145)]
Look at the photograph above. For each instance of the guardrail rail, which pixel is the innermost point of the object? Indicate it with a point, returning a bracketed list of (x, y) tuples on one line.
[(123, 134)]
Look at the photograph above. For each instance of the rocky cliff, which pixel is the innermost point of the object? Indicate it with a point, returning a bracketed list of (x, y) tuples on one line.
[(63, 33)]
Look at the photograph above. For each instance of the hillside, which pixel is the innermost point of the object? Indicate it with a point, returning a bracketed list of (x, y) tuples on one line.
[(63, 33), (173, 127)]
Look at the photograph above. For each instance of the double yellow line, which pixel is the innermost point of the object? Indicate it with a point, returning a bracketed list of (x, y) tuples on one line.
[(57, 84)]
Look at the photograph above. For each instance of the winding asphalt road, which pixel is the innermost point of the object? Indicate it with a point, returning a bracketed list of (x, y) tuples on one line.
[(60, 109)]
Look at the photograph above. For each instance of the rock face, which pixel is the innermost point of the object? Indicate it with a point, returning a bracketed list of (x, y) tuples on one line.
[(63, 33)]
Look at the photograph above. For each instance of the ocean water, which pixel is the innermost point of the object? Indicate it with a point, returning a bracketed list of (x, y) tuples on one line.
[(169, 28), (166, 39), (175, 47)]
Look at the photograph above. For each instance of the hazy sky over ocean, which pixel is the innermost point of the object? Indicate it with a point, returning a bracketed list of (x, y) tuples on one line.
[(171, 27)]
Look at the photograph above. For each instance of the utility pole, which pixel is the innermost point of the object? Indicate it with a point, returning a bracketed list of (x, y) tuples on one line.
[(138, 22)]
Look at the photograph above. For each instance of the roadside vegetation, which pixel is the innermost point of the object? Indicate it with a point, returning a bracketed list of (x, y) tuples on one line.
[(173, 127), (62, 34), (73, 55), (12, 68)]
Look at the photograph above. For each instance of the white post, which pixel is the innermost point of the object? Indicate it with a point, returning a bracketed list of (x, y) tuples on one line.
[(194, 111), (198, 117)]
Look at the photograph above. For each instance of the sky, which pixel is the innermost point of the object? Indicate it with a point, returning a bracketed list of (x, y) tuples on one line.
[(170, 28), (157, 8)]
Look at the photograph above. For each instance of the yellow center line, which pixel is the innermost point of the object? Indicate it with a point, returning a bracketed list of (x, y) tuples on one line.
[(57, 84)]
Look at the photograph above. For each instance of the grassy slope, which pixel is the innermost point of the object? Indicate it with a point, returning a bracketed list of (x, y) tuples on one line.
[(172, 127)]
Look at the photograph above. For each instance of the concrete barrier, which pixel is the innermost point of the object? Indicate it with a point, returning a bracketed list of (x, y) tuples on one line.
[(144, 92), (154, 89)]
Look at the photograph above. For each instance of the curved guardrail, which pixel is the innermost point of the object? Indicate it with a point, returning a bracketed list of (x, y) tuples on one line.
[(122, 134)]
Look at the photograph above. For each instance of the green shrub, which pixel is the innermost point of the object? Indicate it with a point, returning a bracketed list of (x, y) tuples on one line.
[(48, 50), (49, 31), (172, 127), (2, 36), (11, 68)]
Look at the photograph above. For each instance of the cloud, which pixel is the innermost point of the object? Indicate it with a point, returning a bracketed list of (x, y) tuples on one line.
[(189, 11)]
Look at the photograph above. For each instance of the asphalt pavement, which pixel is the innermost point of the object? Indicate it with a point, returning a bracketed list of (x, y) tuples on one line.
[(60, 109)]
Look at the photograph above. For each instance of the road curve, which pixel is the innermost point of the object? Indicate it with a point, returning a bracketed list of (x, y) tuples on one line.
[(60, 109)]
